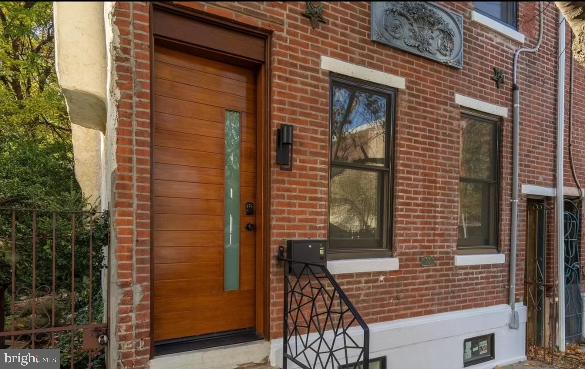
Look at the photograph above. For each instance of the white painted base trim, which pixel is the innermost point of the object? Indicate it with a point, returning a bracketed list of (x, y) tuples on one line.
[(359, 72), (479, 259), (479, 105), (497, 26), (363, 265), (436, 341), (215, 358)]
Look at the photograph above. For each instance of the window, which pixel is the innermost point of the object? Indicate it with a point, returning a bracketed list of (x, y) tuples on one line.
[(502, 11), (478, 183), (360, 193), (478, 350)]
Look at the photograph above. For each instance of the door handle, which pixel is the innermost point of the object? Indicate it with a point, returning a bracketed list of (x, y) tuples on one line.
[(250, 227)]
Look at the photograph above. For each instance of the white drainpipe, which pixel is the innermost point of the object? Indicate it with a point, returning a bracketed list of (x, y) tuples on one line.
[(559, 205)]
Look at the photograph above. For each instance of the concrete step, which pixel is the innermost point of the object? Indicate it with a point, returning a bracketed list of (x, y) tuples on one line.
[(251, 355)]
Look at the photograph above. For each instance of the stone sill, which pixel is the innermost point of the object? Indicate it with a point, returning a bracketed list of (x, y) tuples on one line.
[(497, 26), (479, 259)]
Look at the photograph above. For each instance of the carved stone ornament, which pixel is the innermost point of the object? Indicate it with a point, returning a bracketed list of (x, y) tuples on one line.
[(420, 28)]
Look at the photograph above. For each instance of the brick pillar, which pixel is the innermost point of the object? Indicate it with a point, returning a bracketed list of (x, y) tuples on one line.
[(130, 291)]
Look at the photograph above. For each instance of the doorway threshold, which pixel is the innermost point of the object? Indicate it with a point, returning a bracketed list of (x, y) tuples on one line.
[(204, 342)]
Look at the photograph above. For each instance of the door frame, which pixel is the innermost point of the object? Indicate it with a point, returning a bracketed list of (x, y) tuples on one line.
[(163, 31), (537, 205)]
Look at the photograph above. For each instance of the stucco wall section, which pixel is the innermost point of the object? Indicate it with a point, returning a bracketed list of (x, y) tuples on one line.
[(88, 165), (80, 58)]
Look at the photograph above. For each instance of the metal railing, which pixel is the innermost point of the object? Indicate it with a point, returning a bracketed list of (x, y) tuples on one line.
[(52, 283), (322, 329)]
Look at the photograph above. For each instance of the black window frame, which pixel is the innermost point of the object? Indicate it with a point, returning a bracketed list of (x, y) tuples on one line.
[(379, 360), (495, 208), (491, 337), (510, 13), (388, 178)]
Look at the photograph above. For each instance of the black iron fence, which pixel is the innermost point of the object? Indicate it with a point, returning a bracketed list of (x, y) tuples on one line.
[(322, 328), (573, 299), (53, 284)]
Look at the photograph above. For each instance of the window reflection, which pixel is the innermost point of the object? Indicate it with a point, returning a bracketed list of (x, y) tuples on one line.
[(478, 186), (358, 126), (355, 207)]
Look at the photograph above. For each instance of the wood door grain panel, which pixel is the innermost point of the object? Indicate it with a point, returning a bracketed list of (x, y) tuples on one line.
[(211, 81), (213, 300), (196, 63), (201, 270), (177, 205), (183, 173), (181, 323), (187, 238), (204, 191), (195, 158), (189, 142), (184, 92), (189, 109), (181, 222), (195, 238), (208, 128), (178, 254), (192, 96)]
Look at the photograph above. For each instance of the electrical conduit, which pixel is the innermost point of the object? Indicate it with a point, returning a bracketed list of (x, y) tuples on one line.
[(515, 319)]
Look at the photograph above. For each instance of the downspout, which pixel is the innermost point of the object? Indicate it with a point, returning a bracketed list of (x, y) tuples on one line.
[(515, 319), (559, 204)]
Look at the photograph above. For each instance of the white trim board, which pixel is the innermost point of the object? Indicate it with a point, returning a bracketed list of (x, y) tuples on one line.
[(359, 72), (363, 265), (480, 105), (497, 26), (479, 259)]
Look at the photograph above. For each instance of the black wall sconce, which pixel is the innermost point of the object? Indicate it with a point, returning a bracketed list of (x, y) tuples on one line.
[(284, 146)]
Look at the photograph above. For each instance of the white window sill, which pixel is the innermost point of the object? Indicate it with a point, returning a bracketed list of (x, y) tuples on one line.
[(363, 265), (497, 26), (479, 259)]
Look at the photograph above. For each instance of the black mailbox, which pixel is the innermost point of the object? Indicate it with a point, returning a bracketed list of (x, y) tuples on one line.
[(308, 251)]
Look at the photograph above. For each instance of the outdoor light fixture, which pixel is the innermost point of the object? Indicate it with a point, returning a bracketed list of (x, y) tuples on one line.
[(284, 146)]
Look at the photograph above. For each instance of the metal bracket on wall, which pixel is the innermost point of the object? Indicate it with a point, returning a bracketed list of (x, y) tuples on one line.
[(314, 11), (499, 77)]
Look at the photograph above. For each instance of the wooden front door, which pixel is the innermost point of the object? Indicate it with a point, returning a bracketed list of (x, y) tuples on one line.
[(204, 196)]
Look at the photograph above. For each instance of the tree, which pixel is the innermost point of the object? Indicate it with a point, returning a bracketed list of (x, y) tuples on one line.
[(36, 160), (574, 12), (36, 171)]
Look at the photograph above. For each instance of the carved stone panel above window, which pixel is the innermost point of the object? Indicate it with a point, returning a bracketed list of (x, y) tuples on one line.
[(420, 28)]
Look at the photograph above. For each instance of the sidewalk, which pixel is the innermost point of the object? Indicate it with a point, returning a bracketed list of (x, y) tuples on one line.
[(527, 365)]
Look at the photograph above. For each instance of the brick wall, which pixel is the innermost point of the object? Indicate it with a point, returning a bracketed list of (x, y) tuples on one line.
[(131, 187), (427, 154)]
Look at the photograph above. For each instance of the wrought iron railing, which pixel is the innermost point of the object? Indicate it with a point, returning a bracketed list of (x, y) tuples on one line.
[(322, 328), (573, 299), (53, 285)]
